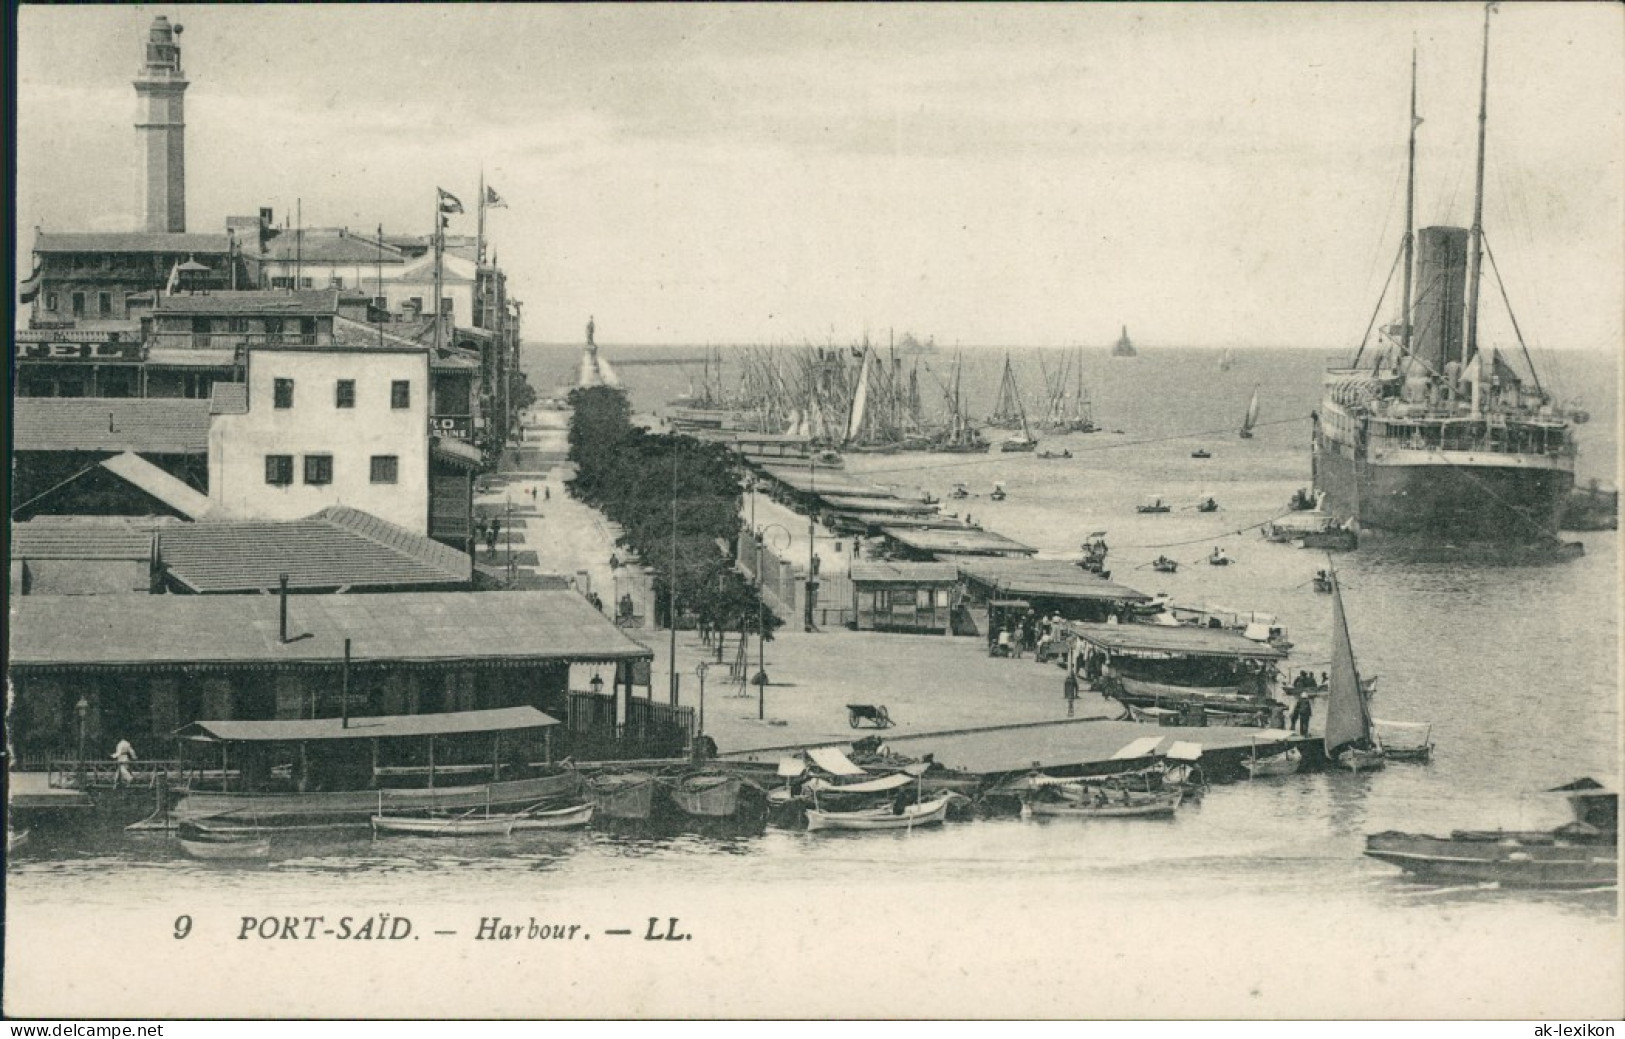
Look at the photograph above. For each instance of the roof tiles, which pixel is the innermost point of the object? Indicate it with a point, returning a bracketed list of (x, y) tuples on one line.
[(147, 425)]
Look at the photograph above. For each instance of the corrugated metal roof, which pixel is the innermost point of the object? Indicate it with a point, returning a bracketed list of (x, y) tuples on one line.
[(150, 425), (191, 503), (130, 242), (228, 398), (338, 547), (904, 573), (242, 630), (1047, 578), (329, 245), (274, 302), (82, 537), (965, 541), (1174, 639), (383, 726)]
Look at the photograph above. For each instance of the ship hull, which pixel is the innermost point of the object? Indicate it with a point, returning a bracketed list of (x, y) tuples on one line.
[(1441, 500)]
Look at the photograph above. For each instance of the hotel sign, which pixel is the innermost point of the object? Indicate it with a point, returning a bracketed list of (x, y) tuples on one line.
[(458, 427), (102, 351)]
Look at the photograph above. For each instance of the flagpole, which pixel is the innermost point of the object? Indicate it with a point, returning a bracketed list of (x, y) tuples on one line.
[(479, 241), (439, 248)]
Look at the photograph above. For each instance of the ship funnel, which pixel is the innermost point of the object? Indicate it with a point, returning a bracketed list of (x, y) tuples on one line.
[(1441, 281)]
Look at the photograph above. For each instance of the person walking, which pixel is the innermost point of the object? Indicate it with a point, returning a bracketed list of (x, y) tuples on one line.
[(124, 754), (1301, 711)]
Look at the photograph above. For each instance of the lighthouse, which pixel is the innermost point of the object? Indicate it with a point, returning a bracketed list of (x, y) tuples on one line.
[(161, 90)]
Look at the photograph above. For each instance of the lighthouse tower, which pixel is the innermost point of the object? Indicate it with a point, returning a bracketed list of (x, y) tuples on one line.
[(161, 89)]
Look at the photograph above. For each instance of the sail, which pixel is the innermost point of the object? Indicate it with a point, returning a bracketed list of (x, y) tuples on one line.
[(860, 402), (1251, 418), (1348, 716), (1008, 413)]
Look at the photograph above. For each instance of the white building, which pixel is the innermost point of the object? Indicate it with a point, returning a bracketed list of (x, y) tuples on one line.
[(314, 426)]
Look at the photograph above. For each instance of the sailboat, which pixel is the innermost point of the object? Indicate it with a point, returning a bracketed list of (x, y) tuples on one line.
[(1123, 347), (1250, 420), (1227, 360), (1008, 413), (1351, 736)]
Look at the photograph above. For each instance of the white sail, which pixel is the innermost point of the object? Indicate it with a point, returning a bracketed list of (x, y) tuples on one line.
[(1348, 716), (1251, 418), (860, 402)]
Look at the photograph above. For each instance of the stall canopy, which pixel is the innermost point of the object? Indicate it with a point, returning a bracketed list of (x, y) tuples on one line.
[(1160, 641), (387, 726)]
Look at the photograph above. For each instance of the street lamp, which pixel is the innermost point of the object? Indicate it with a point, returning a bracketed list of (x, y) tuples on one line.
[(597, 684), (82, 709), (700, 669)]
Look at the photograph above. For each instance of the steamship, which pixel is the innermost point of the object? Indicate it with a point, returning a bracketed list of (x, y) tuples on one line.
[(1440, 439)]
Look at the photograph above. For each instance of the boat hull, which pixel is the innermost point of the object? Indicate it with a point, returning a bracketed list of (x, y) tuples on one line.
[(499, 826), (1508, 860), (926, 813), (227, 849), (1443, 502), (1156, 806), (572, 818), (356, 807)]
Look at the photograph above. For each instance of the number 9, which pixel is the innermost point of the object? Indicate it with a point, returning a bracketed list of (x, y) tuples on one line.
[(183, 926)]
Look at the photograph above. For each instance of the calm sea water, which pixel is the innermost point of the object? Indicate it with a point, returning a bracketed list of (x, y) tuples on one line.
[(1254, 902)]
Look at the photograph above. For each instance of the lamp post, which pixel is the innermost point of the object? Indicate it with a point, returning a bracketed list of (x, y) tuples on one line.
[(597, 684), (82, 709), (700, 669), (812, 557)]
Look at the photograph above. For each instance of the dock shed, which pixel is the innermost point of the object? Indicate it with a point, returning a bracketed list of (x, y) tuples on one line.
[(928, 545), (1047, 586), (906, 597)]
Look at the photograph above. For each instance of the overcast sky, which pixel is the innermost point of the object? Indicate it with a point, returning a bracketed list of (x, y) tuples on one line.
[(999, 174)]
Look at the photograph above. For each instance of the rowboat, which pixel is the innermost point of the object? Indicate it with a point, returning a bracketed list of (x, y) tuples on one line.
[(622, 795), (445, 826), (571, 817), (1129, 806), (1283, 764), (924, 813), (1154, 505), (247, 848)]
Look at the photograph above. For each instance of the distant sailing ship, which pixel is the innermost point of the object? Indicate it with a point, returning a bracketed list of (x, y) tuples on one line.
[(1440, 438), (1227, 360), (1123, 347), (1008, 412), (1249, 420), (1067, 412)]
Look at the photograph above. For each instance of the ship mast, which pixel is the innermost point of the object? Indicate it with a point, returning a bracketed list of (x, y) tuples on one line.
[(1475, 272), (1410, 217)]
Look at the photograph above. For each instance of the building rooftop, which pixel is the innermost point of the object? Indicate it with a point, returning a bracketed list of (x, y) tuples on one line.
[(149, 425), (904, 573), (228, 398), (1173, 640), (200, 632), (131, 242), (1045, 578), (184, 499), (301, 303), (83, 537), (329, 245), (336, 548), (825, 481), (349, 334), (965, 542)]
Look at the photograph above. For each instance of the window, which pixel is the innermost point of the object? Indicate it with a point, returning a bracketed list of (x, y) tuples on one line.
[(318, 469), (445, 304), (416, 303), (380, 303), (273, 326), (78, 304), (385, 468), (279, 470), (335, 282), (282, 283), (238, 324), (400, 394), (346, 393), (304, 283), (104, 303), (50, 301), (284, 393)]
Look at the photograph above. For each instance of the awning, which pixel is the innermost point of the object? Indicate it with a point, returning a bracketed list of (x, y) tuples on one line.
[(388, 726), (1143, 747), (1184, 751), (834, 761), (872, 786)]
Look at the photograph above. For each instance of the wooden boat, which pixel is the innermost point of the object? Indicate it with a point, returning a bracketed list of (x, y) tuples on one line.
[(622, 795), (924, 813), (445, 825), (1580, 854), (1284, 763), (709, 795), (234, 848), (1323, 582), (999, 493), (1201, 452), (1351, 738), (959, 491), (1054, 454), (1405, 741), (1207, 505), (15, 839), (1129, 805), (1335, 538), (1154, 505), (570, 817), (1164, 565), (1218, 558)]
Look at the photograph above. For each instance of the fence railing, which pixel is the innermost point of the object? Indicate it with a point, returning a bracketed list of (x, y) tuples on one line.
[(595, 730)]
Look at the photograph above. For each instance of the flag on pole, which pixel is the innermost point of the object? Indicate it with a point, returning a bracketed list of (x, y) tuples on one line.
[(449, 203), (494, 200)]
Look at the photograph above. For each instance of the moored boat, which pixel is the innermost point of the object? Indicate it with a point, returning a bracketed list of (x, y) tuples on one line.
[(1351, 737), (898, 817), (1126, 805), (1581, 854), (446, 825), (234, 848), (569, 817), (622, 795)]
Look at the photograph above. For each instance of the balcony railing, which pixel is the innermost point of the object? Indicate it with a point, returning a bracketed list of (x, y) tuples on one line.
[(236, 340)]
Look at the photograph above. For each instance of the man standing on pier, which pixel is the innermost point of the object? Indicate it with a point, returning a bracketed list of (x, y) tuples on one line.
[(1301, 712)]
